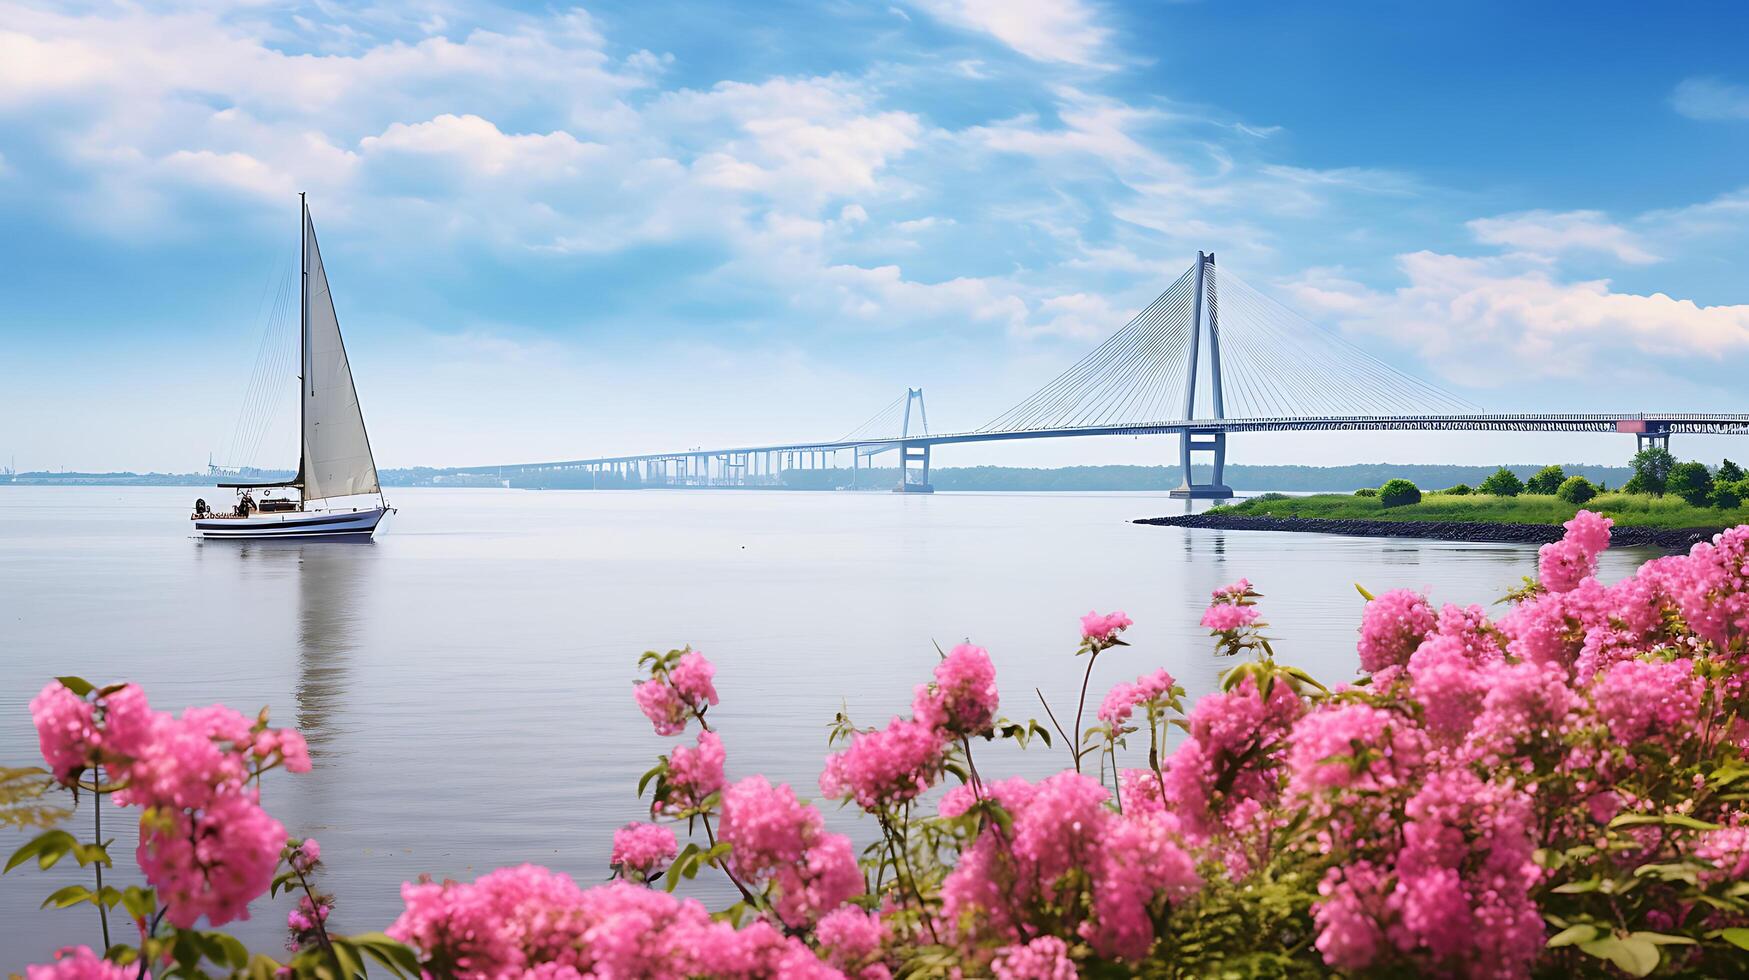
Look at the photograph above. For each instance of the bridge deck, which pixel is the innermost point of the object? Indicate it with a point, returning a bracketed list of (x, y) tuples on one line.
[(1673, 423)]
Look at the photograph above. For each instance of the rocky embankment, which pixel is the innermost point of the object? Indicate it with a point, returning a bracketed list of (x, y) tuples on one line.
[(1675, 539)]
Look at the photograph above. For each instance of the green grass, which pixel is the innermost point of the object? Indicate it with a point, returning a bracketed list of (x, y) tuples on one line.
[(1628, 509)]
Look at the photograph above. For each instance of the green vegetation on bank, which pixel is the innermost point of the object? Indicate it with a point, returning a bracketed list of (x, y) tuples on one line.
[(1627, 509)]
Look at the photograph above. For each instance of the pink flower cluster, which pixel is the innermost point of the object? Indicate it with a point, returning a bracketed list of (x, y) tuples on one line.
[(853, 941), (694, 773), (1044, 958), (1229, 609), (780, 840), (897, 763), (1062, 825), (640, 847), (1100, 629), (1563, 564), (1125, 697), (1226, 770), (963, 699), (528, 921), (675, 695), (205, 843), (1392, 626), (80, 963)]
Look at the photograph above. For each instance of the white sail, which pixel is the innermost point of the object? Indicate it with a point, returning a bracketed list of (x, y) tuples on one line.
[(337, 460)]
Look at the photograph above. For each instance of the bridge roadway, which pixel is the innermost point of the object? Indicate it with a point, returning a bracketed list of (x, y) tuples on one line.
[(740, 462)]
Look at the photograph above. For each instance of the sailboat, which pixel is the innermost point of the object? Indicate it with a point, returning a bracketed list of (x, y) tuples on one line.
[(336, 475)]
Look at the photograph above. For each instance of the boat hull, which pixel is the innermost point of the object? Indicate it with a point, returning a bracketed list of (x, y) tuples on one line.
[(359, 524)]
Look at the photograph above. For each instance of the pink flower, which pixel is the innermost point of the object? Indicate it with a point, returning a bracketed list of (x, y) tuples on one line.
[(1640, 699), (1232, 593), (694, 773), (1125, 697), (75, 733), (662, 705), (777, 838), (962, 701), (1224, 617), (80, 963), (212, 863), (1347, 915), (1353, 746), (1100, 630), (641, 846), (692, 679), (852, 938), (890, 765), (1392, 626), (1142, 861), (1044, 958)]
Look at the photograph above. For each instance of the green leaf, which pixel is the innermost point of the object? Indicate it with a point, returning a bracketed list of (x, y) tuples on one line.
[(1663, 939), (67, 897), (78, 685), (1737, 936), (1578, 887), (400, 960), (1667, 819), (1572, 935), (226, 949), (23, 799), (140, 902), (1364, 594), (655, 771), (348, 957), (1635, 957), (47, 847)]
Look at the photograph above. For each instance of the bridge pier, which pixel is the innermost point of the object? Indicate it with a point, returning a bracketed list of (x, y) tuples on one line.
[(1215, 444), (909, 454)]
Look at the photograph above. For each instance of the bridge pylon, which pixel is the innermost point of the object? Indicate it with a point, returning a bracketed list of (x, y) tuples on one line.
[(909, 452), (1211, 441)]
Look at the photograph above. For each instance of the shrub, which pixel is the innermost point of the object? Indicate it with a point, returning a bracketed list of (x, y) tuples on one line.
[(1458, 490), (1366, 492), (1503, 483), (1396, 493), (1728, 494), (1576, 490), (1546, 481), (1691, 481), (1271, 496)]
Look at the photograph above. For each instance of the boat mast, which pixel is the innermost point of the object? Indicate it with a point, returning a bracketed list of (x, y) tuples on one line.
[(303, 331)]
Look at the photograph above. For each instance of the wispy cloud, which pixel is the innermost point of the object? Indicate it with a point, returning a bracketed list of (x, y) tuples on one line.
[(1061, 31), (1711, 98), (1552, 234)]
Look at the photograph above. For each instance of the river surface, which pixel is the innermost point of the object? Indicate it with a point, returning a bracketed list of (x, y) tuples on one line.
[(464, 680)]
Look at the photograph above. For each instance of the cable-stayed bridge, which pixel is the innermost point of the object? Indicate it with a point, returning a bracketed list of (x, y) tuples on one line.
[(1208, 358)]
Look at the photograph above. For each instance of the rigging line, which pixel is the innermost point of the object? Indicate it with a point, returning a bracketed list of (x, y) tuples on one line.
[(1310, 366), (264, 415), (1113, 385), (250, 384), (1259, 371), (1029, 409), (1249, 390), (267, 288), (1377, 385), (1421, 385), (1127, 351), (1159, 337), (884, 410), (248, 415)]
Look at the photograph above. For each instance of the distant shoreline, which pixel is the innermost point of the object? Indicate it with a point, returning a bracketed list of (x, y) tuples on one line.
[(1483, 531)]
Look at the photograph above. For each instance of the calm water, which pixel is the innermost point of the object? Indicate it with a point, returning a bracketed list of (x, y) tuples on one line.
[(464, 680)]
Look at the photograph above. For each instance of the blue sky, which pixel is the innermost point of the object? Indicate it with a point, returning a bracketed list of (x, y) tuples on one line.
[(560, 231)]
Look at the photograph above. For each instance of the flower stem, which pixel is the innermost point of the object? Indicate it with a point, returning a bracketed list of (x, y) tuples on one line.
[(1081, 707), (316, 916), (97, 825)]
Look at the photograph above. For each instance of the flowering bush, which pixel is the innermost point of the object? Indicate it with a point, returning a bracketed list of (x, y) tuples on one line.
[(1562, 791)]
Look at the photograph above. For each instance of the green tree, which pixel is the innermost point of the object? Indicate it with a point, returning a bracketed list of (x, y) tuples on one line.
[(1729, 472), (1575, 490), (1727, 493), (1691, 481), (1652, 467), (1458, 490), (1504, 483), (1547, 480), (1396, 493)]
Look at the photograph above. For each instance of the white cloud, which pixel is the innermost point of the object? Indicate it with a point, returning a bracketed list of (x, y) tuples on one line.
[(1495, 320), (1711, 98), (1063, 31), (1550, 233), (479, 146)]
